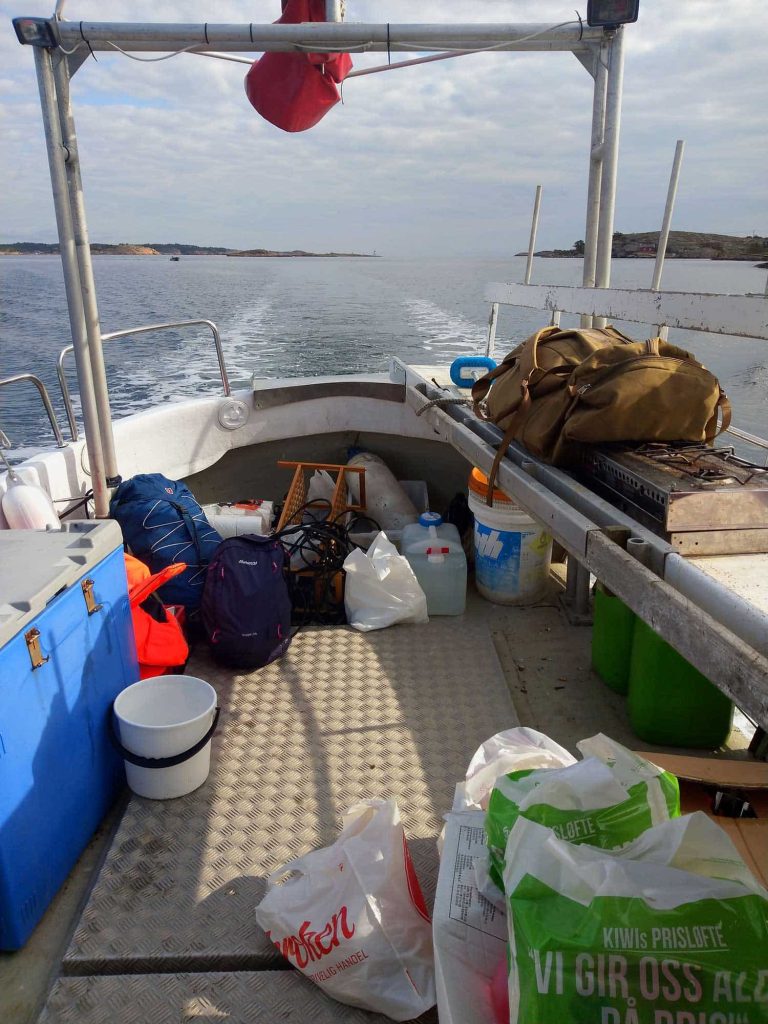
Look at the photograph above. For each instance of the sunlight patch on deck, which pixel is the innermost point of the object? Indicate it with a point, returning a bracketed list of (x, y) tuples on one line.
[(259, 997), (341, 717)]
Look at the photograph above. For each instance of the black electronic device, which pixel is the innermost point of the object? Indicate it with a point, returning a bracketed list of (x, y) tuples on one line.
[(35, 32), (611, 13)]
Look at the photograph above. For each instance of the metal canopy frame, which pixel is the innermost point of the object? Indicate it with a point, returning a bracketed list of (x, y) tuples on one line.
[(600, 51)]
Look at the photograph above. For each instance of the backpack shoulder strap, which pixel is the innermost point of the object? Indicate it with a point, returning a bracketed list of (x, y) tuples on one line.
[(191, 527)]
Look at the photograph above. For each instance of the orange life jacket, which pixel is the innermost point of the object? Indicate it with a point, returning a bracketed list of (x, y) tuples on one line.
[(160, 646)]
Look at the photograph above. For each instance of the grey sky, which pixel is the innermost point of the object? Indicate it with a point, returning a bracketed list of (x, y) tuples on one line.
[(442, 158)]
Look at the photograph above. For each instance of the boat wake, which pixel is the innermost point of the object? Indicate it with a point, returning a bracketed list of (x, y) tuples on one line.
[(446, 332)]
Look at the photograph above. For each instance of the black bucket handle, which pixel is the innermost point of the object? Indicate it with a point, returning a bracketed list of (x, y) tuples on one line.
[(158, 762)]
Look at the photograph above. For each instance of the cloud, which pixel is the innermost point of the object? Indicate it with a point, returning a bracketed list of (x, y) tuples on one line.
[(441, 158)]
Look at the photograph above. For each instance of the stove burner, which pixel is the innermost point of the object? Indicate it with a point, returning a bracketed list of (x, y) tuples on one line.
[(694, 461)]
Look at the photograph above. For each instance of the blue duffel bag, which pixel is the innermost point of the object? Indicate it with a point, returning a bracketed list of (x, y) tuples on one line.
[(162, 524)]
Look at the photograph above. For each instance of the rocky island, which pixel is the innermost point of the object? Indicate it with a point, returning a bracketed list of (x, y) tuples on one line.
[(682, 245), (163, 249)]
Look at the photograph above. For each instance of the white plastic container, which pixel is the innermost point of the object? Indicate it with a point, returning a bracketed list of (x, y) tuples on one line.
[(417, 492), (435, 553), (26, 506), (231, 521), (512, 550), (387, 502), (162, 717)]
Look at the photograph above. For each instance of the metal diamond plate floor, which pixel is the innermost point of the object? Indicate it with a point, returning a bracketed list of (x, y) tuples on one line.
[(232, 998), (342, 716)]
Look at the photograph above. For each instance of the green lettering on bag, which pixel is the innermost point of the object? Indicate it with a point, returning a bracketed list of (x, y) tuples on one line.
[(606, 827)]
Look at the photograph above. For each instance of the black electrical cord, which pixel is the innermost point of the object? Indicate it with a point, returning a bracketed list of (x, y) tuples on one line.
[(319, 547), (80, 501)]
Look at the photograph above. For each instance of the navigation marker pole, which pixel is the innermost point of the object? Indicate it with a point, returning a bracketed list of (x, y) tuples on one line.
[(532, 240)]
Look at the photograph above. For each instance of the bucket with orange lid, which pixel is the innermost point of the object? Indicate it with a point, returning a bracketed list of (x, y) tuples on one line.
[(512, 550)]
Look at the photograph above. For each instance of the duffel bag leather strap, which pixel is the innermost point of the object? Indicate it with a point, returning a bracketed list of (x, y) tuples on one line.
[(501, 451), (725, 411), (527, 361), (504, 444), (529, 356), (482, 386)]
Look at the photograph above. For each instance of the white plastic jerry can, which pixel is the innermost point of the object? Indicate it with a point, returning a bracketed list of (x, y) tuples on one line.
[(436, 555)]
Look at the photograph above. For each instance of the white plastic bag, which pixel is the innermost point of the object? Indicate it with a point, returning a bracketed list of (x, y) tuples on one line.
[(470, 935), (513, 750), (322, 488), (381, 588), (352, 917), (386, 501)]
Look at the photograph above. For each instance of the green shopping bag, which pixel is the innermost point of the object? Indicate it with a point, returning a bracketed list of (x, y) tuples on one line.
[(671, 930), (606, 800)]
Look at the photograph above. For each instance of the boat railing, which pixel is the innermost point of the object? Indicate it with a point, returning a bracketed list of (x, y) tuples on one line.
[(744, 316), (128, 332), (758, 442), (43, 392)]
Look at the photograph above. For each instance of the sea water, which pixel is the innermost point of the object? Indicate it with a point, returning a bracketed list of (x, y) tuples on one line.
[(304, 316)]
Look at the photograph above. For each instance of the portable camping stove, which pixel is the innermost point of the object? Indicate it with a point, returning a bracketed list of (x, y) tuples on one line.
[(704, 501)]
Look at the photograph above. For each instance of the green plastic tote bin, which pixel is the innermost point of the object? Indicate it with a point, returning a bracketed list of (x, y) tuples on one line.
[(669, 701), (612, 633)]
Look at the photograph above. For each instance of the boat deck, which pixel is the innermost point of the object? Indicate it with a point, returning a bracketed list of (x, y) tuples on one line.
[(168, 931)]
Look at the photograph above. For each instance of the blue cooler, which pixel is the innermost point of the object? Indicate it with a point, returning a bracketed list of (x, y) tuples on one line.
[(66, 651)]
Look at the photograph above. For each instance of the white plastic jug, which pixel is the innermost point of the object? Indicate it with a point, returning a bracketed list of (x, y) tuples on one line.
[(435, 553)]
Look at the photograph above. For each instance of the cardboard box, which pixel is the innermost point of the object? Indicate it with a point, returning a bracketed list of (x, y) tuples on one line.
[(701, 778), (469, 932)]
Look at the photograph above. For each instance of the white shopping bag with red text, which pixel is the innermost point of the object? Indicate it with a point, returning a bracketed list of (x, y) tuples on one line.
[(352, 918)]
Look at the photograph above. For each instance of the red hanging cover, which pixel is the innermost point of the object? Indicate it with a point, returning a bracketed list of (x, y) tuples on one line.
[(295, 90), (160, 646)]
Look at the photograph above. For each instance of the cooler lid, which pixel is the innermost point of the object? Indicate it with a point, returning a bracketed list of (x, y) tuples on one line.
[(35, 565)]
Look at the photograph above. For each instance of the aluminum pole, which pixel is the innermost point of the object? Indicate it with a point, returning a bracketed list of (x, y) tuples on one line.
[(595, 172), (532, 239), (493, 319), (334, 10), (85, 263), (324, 36), (614, 88), (661, 250), (54, 145)]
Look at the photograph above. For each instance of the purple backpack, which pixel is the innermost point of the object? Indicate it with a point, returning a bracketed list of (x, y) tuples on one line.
[(246, 609)]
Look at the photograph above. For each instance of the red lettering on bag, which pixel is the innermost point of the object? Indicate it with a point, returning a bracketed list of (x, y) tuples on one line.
[(311, 945), (414, 889)]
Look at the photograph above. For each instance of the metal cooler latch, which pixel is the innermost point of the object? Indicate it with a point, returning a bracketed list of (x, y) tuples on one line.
[(36, 656), (90, 600)]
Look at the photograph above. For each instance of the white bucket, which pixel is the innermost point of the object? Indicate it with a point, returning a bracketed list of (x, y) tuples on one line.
[(162, 717), (512, 552)]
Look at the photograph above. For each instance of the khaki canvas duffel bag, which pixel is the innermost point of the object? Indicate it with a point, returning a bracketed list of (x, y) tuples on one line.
[(563, 388)]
